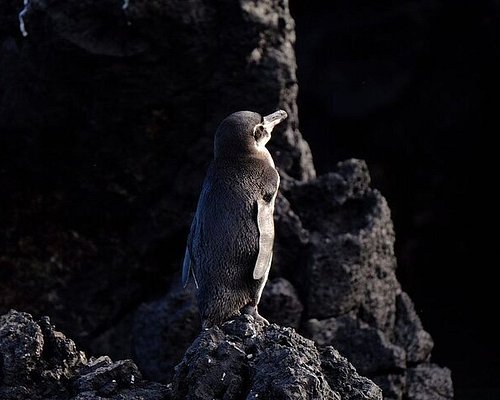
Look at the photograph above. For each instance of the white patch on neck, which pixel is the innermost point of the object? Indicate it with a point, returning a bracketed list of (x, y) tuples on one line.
[(261, 149), (260, 146)]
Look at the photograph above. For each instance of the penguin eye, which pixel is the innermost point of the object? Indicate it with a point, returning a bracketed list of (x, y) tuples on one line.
[(258, 132)]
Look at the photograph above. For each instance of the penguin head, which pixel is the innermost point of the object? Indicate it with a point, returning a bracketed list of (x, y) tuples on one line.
[(245, 133)]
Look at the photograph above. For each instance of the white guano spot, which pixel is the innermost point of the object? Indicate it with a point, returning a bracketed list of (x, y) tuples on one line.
[(21, 15)]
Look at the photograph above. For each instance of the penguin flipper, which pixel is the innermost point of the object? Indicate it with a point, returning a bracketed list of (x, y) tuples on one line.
[(187, 267), (265, 223)]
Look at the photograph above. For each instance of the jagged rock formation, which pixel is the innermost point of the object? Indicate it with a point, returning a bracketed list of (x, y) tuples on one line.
[(106, 125), (341, 290), (243, 359), (107, 119), (159, 346), (37, 362), (239, 360)]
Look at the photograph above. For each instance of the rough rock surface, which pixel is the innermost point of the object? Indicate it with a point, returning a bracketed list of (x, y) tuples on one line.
[(38, 362), (409, 332), (162, 331), (243, 359), (344, 275), (364, 345), (281, 304), (104, 143), (428, 381)]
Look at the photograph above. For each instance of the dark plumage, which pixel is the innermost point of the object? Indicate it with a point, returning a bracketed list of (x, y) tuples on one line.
[(229, 249)]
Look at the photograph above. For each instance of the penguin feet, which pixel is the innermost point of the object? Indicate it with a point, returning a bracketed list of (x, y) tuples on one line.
[(252, 310), (259, 318), (208, 323)]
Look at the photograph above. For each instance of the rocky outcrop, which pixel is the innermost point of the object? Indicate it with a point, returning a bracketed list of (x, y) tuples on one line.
[(242, 359), (364, 345), (37, 362), (353, 299), (280, 303), (162, 332), (341, 289), (104, 144), (429, 382)]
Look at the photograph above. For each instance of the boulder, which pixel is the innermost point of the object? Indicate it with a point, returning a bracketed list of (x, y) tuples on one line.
[(280, 303), (409, 332), (244, 359), (38, 362), (429, 382), (162, 331), (365, 346)]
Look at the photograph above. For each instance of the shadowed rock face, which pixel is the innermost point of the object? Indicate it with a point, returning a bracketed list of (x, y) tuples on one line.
[(162, 332), (107, 120), (106, 125), (38, 362), (241, 359), (341, 290)]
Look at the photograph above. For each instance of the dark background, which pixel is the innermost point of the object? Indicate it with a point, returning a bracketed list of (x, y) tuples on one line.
[(411, 87)]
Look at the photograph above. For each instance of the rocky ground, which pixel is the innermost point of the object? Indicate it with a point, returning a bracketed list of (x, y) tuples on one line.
[(241, 359), (340, 291), (106, 125)]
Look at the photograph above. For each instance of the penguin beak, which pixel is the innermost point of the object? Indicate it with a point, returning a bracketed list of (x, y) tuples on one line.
[(271, 120)]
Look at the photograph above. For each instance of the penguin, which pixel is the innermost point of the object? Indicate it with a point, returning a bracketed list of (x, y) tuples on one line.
[(230, 244)]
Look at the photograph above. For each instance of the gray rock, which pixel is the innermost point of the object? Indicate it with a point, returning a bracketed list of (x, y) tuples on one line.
[(352, 297), (409, 332), (171, 72), (365, 346), (95, 363), (153, 391), (17, 393), (59, 352), (38, 362), (116, 340), (21, 345), (280, 303), (343, 378), (243, 359), (163, 330), (108, 378), (338, 254), (350, 181), (290, 245), (393, 385), (351, 262), (429, 382)]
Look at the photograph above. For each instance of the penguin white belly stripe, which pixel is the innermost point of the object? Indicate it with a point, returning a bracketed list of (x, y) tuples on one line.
[(264, 281)]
